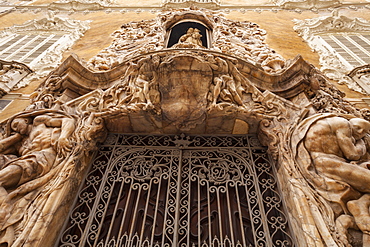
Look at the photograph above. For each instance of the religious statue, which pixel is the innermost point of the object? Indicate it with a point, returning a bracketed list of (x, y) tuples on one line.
[(192, 39), (332, 153), (28, 153)]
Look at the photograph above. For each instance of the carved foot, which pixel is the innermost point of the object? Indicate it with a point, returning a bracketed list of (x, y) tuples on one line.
[(343, 222), (7, 236), (216, 106), (360, 211)]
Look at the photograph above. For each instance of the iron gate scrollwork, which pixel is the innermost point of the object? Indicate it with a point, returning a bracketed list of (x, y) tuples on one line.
[(178, 191)]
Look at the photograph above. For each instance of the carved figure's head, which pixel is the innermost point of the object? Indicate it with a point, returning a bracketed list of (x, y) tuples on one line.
[(21, 125), (360, 127), (190, 30)]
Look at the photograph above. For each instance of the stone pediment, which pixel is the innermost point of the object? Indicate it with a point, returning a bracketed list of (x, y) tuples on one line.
[(292, 81)]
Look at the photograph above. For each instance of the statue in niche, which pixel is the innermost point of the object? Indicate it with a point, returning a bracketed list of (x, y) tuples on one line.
[(192, 39), (333, 155), (28, 154)]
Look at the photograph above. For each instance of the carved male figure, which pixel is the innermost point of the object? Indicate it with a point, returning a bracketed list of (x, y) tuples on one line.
[(337, 150), (36, 143), (333, 142)]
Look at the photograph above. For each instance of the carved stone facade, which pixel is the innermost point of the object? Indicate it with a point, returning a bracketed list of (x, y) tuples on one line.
[(319, 142)]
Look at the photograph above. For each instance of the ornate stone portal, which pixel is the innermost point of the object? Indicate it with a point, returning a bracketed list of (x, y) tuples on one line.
[(238, 85)]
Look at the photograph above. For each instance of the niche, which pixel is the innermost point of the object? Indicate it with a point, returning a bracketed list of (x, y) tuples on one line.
[(181, 28)]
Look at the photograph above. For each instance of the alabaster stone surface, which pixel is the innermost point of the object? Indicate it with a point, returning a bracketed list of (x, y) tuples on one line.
[(318, 141)]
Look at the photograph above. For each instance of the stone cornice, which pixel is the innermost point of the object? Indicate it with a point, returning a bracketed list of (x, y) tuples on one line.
[(97, 7), (330, 24), (50, 24)]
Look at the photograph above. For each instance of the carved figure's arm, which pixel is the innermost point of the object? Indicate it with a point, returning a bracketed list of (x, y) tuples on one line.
[(7, 144), (352, 150)]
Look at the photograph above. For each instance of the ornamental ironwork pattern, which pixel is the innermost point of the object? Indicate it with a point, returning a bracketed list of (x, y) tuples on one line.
[(178, 191)]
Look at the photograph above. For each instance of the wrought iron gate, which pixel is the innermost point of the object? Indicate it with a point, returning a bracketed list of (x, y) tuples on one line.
[(178, 191)]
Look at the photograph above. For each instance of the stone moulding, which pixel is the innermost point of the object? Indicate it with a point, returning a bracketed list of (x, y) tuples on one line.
[(309, 4), (361, 75), (49, 24), (73, 30), (332, 67), (75, 6), (210, 4), (11, 73)]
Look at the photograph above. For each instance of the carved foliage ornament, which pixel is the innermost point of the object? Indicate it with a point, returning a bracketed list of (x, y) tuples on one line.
[(242, 39), (332, 66)]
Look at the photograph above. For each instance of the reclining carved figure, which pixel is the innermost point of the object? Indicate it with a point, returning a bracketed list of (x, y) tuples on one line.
[(332, 154), (29, 153)]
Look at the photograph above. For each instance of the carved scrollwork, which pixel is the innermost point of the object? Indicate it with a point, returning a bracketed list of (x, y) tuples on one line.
[(11, 74), (242, 39), (332, 65)]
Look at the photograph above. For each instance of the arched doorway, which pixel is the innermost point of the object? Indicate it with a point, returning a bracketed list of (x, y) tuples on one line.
[(166, 190)]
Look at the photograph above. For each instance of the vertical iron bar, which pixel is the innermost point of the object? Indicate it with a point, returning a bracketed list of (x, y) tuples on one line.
[(145, 211), (175, 236), (240, 215), (125, 211), (229, 212), (219, 214), (198, 187), (115, 211), (156, 211)]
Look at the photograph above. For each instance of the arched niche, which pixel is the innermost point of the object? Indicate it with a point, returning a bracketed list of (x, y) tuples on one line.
[(180, 28)]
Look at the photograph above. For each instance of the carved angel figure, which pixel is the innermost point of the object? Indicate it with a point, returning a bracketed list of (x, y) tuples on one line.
[(28, 154), (331, 152)]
